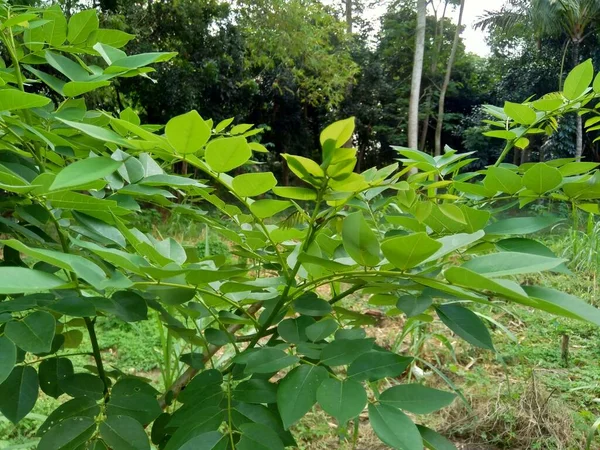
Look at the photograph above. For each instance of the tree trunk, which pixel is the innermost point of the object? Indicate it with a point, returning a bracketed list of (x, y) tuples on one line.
[(349, 16), (417, 72), (440, 117), (579, 140)]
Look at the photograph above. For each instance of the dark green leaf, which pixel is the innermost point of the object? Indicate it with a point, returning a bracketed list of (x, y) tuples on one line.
[(416, 398), (435, 441), (77, 407), (343, 400), (124, 433), (466, 324), (34, 333), (321, 329), (311, 305), (256, 391), (297, 392), (376, 365), (522, 225), (294, 330), (268, 360), (394, 427), (51, 371), (8, 357), (142, 407), (18, 393), (413, 305), (343, 352), (83, 385), (68, 434), (205, 441), (508, 263)]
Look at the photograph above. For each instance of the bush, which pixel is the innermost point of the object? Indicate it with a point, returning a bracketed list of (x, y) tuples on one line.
[(247, 348)]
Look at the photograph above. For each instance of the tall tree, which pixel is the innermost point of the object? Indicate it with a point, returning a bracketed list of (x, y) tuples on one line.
[(442, 100), (417, 72)]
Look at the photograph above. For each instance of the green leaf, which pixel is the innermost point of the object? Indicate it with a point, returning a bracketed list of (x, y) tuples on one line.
[(359, 241), (253, 184), (522, 225), (18, 393), (256, 391), (578, 80), (217, 337), (413, 305), (124, 433), (499, 179), (416, 398), (19, 19), (297, 392), (51, 371), (268, 208), (562, 304), (102, 134), (304, 168), (321, 329), (523, 245), (8, 357), (406, 252), (269, 360), (77, 88), (294, 330), (69, 68), (310, 305), (204, 441), (256, 436), (394, 428), (466, 324), (81, 25), (84, 171), (511, 263), (343, 352), (542, 178), (376, 365), (127, 306), (520, 113), (127, 63), (226, 154), (338, 133), (83, 385), (11, 99), (435, 441), (187, 133), (142, 407), (114, 38), (343, 400), (77, 407), (295, 193), (68, 434), (34, 333)]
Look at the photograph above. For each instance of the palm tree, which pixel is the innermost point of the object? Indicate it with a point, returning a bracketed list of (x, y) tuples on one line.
[(569, 18)]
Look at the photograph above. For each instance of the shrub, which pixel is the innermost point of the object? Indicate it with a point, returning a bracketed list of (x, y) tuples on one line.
[(247, 349)]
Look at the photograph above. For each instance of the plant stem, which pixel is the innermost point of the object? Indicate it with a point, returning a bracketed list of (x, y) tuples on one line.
[(89, 323)]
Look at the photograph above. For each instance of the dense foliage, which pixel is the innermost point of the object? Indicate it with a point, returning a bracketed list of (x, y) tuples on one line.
[(250, 344)]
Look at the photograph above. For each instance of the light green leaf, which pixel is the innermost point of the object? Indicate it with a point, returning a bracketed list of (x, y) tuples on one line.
[(114, 38), (76, 88), (187, 133), (416, 398), (102, 134), (542, 178), (520, 113), (34, 333), (563, 304), (253, 184), (578, 80), (394, 428), (360, 241), (8, 357), (297, 392), (511, 263), (226, 154), (295, 193), (81, 25), (55, 31), (12, 99), (124, 433), (522, 225), (406, 252), (18, 393), (338, 133), (132, 62), (466, 324), (70, 433), (84, 171), (343, 400), (268, 208), (499, 179), (304, 168)]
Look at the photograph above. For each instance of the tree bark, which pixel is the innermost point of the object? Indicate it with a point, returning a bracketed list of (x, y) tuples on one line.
[(349, 16), (417, 73), (440, 117)]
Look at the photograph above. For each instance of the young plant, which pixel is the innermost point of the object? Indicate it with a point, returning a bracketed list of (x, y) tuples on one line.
[(250, 347)]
